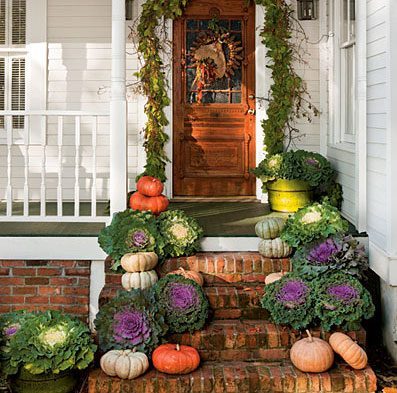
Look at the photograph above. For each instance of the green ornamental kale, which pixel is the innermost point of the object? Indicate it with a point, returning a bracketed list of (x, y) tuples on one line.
[(336, 253), (313, 222), (130, 231), (342, 301), (290, 301), (181, 233), (131, 320), (48, 342), (183, 301)]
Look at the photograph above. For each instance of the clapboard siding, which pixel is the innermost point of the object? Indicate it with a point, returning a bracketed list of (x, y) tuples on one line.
[(377, 107)]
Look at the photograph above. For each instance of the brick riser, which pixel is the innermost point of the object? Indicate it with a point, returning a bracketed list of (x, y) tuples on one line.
[(241, 377)]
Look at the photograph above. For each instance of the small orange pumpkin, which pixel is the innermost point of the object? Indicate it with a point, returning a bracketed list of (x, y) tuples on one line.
[(150, 186), (350, 352), (272, 277), (190, 274), (175, 359), (312, 355), (155, 204)]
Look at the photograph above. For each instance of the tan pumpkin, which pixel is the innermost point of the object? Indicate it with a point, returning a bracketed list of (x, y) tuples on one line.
[(124, 364), (190, 274), (269, 227), (273, 277), (139, 262), (139, 280), (312, 355), (350, 351), (274, 248)]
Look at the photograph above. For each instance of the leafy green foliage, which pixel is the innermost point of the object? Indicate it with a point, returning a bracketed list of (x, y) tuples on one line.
[(131, 320), (183, 301), (348, 256), (313, 222), (290, 301), (181, 233), (341, 301), (130, 231), (287, 93), (48, 342)]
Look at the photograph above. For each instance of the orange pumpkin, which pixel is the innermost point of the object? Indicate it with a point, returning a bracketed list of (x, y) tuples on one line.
[(190, 274), (150, 186), (141, 202), (272, 277), (175, 359), (351, 352), (312, 355)]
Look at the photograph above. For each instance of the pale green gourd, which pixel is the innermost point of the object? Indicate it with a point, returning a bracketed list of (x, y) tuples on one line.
[(269, 227), (274, 248), (139, 280)]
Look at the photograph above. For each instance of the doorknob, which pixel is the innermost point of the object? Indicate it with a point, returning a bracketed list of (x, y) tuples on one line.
[(251, 111), (251, 96)]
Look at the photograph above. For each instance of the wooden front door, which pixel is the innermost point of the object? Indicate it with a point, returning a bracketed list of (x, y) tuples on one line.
[(214, 116)]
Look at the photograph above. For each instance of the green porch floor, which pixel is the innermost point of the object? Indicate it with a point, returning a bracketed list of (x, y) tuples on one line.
[(217, 219)]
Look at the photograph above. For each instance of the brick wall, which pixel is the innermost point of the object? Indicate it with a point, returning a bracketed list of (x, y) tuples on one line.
[(43, 285)]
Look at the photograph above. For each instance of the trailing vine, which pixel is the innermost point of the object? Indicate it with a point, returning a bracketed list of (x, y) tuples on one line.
[(286, 97)]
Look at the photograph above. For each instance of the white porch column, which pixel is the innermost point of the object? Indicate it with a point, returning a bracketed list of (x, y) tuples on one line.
[(118, 111)]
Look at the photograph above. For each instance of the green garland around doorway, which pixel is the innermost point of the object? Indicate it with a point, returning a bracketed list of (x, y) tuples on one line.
[(286, 92)]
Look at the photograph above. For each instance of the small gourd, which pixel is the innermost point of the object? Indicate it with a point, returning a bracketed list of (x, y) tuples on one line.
[(274, 248), (269, 227), (350, 352), (139, 280), (175, 359), (139, 262), (124, 364), (312, 355), (190, 274), (273, 277)]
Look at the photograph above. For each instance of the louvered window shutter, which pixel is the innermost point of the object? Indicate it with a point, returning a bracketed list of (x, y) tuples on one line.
[(18, 90), (18, 26), (3, 22)]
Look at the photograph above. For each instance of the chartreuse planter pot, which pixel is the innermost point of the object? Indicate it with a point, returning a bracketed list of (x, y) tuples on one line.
[(26, 382), (288, 195)]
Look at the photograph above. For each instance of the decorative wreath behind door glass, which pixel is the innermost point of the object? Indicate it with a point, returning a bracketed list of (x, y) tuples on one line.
[(213, 56)]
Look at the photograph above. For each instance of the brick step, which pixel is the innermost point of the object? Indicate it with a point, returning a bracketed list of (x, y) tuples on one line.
[(240, 377), (226, 268), (248, 340), (226, 302)]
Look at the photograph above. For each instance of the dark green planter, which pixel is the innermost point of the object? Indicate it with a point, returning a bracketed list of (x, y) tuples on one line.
[(26, 382)]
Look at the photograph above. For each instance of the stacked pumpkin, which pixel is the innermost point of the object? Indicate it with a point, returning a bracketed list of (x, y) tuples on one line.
[(315, 355), (271, 245), (149, 196)]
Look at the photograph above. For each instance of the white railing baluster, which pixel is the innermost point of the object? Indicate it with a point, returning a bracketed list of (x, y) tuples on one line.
[(59, 187), (8, 126), (26, 163), (77, 167), (43, 207), (94, 145)]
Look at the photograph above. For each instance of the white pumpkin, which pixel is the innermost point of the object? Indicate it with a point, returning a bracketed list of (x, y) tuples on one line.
[(269, 227), (124, 364), (273, 277), (139, 262), (274, 248), (139, 280)]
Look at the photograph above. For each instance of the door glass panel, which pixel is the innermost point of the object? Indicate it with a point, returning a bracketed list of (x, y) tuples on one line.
[(214, 53)]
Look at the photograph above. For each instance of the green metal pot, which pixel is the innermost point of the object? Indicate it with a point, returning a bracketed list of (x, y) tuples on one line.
[(288, 195), (26, 382)]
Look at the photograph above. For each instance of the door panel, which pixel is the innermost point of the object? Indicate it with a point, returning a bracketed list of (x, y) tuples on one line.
[(214, 129)]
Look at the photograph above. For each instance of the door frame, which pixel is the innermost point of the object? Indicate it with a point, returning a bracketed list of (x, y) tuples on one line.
[(262, 81)]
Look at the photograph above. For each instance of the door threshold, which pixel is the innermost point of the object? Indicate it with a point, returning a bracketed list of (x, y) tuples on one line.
[(216, 199)]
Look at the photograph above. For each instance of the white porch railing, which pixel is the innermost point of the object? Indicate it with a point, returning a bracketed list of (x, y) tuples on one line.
[(42, 131)]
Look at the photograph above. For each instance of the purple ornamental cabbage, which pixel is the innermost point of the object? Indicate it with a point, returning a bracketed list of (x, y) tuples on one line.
[(139, 239), (132, 326), (312, 162), (11, 329), (343, 292), (293, 293), (182, 296), (321, 253)]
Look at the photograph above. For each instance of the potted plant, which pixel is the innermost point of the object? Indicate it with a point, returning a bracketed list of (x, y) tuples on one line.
[(295, 178), (43, 351)]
